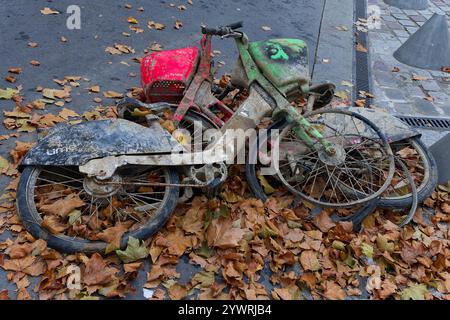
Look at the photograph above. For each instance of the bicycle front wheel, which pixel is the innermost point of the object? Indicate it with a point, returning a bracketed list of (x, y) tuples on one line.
[(360, 169)]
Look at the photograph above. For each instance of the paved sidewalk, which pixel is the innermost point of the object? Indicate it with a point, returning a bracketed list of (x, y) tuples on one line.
[(394, 86)]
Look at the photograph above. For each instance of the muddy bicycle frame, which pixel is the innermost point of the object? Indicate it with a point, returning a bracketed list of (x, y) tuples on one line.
[(264, 99), (198, 95)]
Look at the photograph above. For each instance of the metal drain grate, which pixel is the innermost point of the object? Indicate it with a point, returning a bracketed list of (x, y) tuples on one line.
[(361, 70), (426, 122)]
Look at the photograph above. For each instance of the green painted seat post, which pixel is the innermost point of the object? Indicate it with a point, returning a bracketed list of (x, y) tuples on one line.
[(304, 130), (302, 127)]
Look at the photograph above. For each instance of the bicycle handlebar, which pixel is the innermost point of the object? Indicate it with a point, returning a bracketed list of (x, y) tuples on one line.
[(222, 30), (236, 25)]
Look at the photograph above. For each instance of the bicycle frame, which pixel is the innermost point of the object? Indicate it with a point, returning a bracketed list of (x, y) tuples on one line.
[(283, 108), (200, 89), (264, 98)]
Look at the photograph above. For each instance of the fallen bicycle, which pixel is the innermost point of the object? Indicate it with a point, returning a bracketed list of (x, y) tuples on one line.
[(132, 169)]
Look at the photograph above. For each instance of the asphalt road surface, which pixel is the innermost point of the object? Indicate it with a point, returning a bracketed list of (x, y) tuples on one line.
[(102, 24)]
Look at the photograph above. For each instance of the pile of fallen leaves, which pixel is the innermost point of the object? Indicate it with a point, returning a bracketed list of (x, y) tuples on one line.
[(237, 241), (245, 249)]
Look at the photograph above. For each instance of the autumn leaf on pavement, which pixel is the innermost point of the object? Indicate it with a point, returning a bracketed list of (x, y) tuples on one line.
[(384, 244), (30, 265), (132, 267), (4, 164), (347, 83), (10, 79), (388, 288), (155, 25), (324, 222), (410, 252), (63, 206), (73, 216), (49, 120), (20, 150), (112, 50), (97, 272), (309, 261), (119, 49), (53, 224), (414, 292), (341, 28), (16, 113), (341, 94), (338, 245), (4, 294), (94, 89), (15, 70), (92, 115), (24, 126), (223, 235), (292, 292), (18, 251), (35, 63), (176, 243), (135, 29), (115, 288), (416, 77), (8, 93), (155, 47), (112, 94), (113, 236), (205, 251), (267, 231), (66, 113), (56, 93), (367, 249), (230, 196), (134, 251), (203, 279), (47, 11), (176, 291), (192, 221), (333, 291), (360, 48), (268, 189), (132, 20), (178, 24)]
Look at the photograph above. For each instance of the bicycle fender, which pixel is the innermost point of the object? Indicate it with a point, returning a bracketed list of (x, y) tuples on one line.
[(77, 144)]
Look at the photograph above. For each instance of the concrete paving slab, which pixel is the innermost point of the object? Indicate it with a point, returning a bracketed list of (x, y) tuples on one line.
[(335, 45)]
